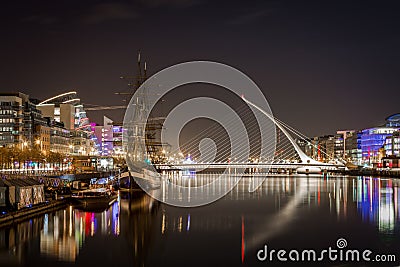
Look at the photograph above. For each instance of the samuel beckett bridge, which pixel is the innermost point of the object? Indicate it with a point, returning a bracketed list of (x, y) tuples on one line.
[(288, 157), (244, 140)]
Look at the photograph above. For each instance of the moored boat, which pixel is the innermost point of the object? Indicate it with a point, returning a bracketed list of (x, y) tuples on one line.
[(94, 199)]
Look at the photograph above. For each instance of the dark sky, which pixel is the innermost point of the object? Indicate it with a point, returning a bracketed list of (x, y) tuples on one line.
[(323, 65)]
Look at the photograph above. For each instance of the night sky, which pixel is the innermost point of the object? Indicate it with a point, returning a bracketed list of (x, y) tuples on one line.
[(323, 65)]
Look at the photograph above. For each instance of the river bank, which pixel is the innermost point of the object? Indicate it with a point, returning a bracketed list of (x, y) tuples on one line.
[(27, 213), (374, 172)]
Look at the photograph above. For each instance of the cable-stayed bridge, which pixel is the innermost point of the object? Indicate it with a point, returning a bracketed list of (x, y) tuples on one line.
[(287, 156)]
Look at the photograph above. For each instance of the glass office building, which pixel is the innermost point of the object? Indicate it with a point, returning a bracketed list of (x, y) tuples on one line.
[(393, 120), (372, 140)]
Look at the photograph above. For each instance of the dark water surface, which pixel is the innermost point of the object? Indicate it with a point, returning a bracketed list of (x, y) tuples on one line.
[(287, 212)]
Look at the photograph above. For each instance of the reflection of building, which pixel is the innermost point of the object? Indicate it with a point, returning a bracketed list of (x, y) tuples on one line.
[(64, 232), (378, 201)]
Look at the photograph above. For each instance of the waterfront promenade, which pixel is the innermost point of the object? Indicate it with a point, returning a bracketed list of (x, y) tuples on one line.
[(29, 212)]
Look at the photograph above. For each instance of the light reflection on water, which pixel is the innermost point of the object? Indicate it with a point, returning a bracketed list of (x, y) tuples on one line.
[(64, 234), (131, 231)]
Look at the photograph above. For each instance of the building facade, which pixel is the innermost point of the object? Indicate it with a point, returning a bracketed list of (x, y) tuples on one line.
[(392, 145), (81, 144), (373, 141), (353, 147), (59, 138), (323, 148), (19, 118), (42, 138), (393, 121), (60, 112), (104, 134)]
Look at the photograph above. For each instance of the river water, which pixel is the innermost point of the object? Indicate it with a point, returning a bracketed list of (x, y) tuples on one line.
[(287, 212)]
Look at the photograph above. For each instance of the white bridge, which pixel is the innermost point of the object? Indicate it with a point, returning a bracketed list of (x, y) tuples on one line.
[(254, 167), (290, 156)]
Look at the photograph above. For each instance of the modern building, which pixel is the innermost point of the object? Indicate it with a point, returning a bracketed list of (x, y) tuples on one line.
[(118, 149), (59, 137), (67, 109), (104, 134), (353, 147), (60, 112), (393, 120), (81, 144), (18, 120), (323, 148), (392, 144), (373, 141), (42, 138), (341, 143)]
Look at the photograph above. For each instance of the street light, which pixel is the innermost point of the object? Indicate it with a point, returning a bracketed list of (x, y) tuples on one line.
[(24, 144)]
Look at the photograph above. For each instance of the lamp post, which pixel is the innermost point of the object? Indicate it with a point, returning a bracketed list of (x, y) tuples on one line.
[(24, 144)]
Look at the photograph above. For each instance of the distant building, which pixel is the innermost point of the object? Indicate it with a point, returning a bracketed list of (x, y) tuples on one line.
[(393, 121), (67, 109), (323, 148), (392, 144), (42, 137), (104, 134), (81, 144), (118, 149), (372, 141), (305, 145), (60, 112), (59, 137), (18, 120), (340, 144), (353, 147)]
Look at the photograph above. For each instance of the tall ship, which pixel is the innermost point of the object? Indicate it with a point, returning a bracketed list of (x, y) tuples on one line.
[(142, 136)]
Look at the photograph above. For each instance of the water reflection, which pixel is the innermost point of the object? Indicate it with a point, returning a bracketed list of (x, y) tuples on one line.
[(64, 232), (376, 199), (61, 235), (288, 209)]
